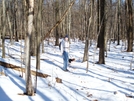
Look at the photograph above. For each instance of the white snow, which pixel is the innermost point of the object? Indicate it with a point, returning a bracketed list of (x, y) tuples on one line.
[(113, 81)]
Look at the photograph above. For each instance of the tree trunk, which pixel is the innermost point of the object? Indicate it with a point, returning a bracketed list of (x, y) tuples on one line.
[(9, 23), (29, 87), (86, 20), (98, 22), (69, 20), (4, 28), (39, 27), (115, 25), (88, 25), (25, 23), (129, 20), (56, 19), (42, 39), (15, 21), (119, 25), (102, 33)]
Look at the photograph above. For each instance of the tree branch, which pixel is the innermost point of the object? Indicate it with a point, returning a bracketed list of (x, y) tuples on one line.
[(58, 22)]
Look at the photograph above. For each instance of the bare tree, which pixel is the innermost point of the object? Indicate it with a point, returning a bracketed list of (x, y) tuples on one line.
[(29, 87), (119, 23), (15, 20), (38, 36), (9, 23), (69, 20), (88, 28), (57, 19), (88, 18), (129, 24), (101, 37), (39, 27), (4, 28)]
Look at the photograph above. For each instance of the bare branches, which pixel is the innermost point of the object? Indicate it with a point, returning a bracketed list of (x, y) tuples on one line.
[(58, 22)]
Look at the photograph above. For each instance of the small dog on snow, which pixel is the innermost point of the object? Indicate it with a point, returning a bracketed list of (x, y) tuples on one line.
[(71, 60)]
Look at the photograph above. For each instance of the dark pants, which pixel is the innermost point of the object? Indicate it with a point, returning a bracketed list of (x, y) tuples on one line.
[(65, 60)]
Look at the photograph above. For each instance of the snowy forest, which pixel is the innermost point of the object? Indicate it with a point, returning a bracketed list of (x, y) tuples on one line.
[(100, 58)]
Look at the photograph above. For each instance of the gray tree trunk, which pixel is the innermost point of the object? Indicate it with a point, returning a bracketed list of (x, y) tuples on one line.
[(69, 20), (129, 21), (15, 21), (4, 28), (87, 17), (119, 23), (88, 28), (10, 25), (57, 19), (29, 87)]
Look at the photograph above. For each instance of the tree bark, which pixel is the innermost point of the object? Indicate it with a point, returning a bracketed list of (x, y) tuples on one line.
[(98, 22), (69, 21), (29, 87), (4, 28), (38, 36), (129, 20), (119, 23), (39, 27), (15, 21), (102, 33), (10, 26), (56, 19)]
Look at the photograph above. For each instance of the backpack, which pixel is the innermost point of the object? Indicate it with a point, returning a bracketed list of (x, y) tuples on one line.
[(60, 46)]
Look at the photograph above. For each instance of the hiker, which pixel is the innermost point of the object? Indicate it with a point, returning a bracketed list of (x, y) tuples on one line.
[(65, 51)]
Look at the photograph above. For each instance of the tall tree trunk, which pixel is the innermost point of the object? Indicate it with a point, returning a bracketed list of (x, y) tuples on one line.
[(15, 20), (119, 23), (88, 28), (129, 20), (4, 28), (115, 25), (88, 25), (29, 87), (85, 58), (42, 39), (25, 23), (98, 22), (57, 19), (102, 33), (34, 32), (39, 27), (69, 20), (9, 23)]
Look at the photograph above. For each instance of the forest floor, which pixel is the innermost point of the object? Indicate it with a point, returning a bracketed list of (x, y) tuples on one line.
[(112, 81)]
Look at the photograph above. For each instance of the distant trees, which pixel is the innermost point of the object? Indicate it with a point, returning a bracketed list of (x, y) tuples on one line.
[(74, 23)]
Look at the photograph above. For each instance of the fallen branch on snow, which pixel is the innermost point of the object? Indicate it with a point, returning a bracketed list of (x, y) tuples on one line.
[(7, 65)]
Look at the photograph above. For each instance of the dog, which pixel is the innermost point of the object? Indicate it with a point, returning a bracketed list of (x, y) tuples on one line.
[(71, 60)]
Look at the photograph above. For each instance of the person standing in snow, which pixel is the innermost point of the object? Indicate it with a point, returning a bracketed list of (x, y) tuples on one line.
[(65, 51)]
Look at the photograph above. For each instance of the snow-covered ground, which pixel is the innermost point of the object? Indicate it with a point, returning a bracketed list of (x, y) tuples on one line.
[(113, 81)]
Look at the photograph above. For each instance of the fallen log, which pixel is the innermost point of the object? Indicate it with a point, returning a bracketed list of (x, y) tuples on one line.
[(17, 68)]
